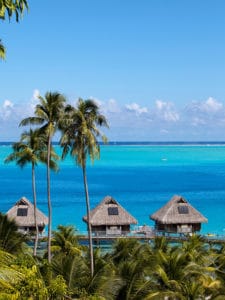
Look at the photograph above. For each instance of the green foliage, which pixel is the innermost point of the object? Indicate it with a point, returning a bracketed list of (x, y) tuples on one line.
[(20, 278), (31, 286), (65, 241), (31, 149), (2, 50), (131, 271), (10, 8), (58, 288), (80, 127), (11, 240)]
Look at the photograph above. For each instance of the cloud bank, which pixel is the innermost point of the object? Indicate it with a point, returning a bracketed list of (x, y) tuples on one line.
[(159, 121)]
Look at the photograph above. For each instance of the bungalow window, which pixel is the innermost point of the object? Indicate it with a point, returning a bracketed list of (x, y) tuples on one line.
[(22, 212), (113, 211), (183, 209)]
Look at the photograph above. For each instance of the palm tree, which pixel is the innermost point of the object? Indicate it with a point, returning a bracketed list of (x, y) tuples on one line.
[(30, 150), (196, 249), (8, 275), (65, 241), (24, 152), (48, 114), (71, 267), (124, 249), (75, 270), (11, 240), (182, 273), (80, 133)]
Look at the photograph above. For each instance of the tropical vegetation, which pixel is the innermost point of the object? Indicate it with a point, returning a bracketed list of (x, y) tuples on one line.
[(129, 269), (11, 241), (190, 269)]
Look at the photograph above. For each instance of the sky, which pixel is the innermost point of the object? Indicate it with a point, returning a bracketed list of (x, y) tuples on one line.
[(156, 68)]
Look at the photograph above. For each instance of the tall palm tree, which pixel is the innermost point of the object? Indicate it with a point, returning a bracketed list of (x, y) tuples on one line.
[(47, 114), (30, 150), (24, 152), (80, 139)]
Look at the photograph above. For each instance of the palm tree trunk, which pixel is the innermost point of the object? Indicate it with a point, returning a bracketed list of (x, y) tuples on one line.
[(49, 200), (88, 220), (35, 211)]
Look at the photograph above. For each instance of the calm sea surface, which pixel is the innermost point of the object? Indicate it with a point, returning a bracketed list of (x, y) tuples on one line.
[(142, 178)]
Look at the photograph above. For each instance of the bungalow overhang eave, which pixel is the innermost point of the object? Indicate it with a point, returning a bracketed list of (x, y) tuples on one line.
[(178, 222), (110, 223)]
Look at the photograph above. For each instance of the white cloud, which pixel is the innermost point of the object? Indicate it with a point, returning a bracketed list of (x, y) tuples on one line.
[(134, 121), (171, 116), (160, 105), (13, 113), (108, 107), (7, 104), (208, 113), (6, 110), (36, 94), (164, 131), (112, 106), (134, 107), (197, 121), (166, 111), (210, 106), (33, 102)]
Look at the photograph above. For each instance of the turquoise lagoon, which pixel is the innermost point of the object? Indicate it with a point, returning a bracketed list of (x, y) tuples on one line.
[(141, 177)]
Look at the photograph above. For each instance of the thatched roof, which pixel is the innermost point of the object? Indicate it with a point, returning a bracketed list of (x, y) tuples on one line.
[(23, 214), (178, 211), (110, 212)]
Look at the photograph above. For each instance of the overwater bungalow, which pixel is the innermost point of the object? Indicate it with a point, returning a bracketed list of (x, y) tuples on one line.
[(23, 214), (110, 218), (178, 216)]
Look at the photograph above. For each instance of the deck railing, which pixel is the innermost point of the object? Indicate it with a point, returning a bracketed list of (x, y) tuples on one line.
[(136, 231)]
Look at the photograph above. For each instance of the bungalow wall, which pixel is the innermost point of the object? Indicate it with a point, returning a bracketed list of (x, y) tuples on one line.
[(178, 228), (111, 229), (30, 229)]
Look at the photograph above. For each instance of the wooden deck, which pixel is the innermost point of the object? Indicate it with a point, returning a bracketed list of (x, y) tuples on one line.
[(97, 240)]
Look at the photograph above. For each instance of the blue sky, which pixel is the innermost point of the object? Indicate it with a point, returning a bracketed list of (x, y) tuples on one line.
[(155, 67)]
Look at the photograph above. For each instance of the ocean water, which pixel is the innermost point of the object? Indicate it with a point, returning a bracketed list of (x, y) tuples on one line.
[(142, 178)]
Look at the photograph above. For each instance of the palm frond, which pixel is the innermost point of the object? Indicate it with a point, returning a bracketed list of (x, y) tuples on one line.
[(31, 121), (2, 51)]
